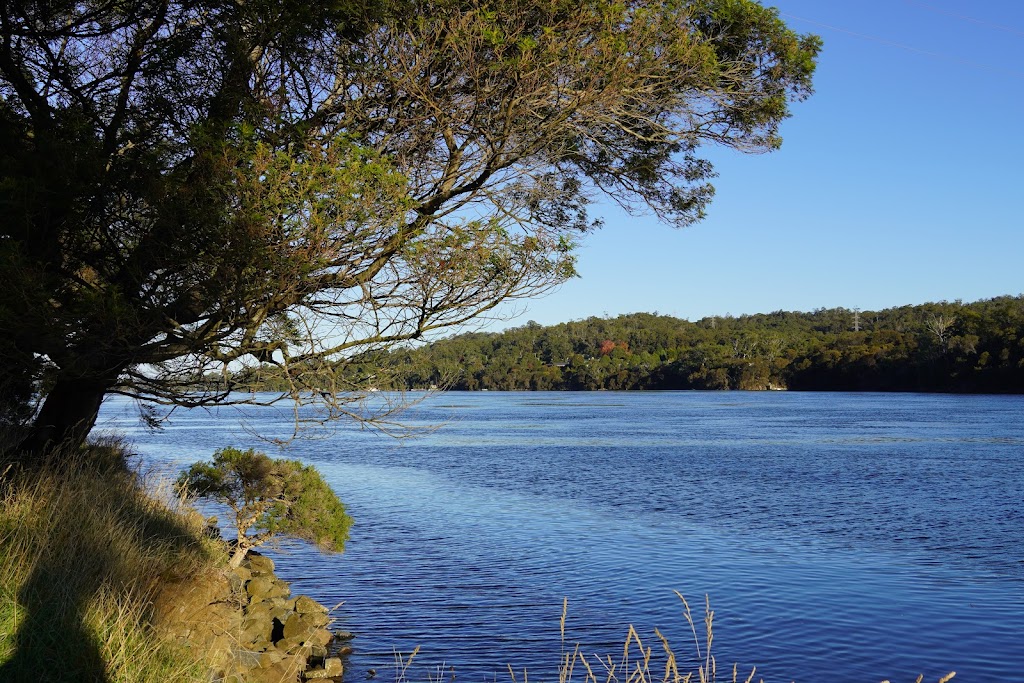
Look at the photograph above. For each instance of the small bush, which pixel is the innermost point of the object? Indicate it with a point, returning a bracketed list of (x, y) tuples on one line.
[(270, 497)]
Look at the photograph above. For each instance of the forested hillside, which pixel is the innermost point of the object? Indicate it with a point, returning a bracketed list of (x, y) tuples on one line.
[(976, 347)]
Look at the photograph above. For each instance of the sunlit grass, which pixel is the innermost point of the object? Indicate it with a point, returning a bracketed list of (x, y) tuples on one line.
[(83, 548)]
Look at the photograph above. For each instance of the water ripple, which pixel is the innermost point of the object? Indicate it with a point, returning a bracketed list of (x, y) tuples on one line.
[(840, 536)]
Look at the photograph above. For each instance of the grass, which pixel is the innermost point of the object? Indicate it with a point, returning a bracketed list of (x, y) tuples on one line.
[(83, 548), (636, 664)]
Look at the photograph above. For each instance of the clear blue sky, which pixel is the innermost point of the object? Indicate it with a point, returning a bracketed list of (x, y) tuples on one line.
[(899, 181)]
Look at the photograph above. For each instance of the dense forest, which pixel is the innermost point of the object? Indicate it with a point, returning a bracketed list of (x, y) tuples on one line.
[(956, 347)]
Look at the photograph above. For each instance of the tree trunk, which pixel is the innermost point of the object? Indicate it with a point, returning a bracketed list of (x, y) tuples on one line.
[(68, 414), (236, 557)]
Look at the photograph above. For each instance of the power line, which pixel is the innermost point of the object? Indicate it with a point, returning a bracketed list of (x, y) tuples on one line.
[(910, 48)]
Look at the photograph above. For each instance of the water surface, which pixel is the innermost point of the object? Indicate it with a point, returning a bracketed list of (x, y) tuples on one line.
[(847, 537)]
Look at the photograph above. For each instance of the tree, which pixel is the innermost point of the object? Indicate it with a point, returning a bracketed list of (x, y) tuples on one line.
[(198, 189), (272, 497)]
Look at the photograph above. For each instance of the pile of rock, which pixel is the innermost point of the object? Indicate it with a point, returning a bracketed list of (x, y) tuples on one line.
[(248, 627)]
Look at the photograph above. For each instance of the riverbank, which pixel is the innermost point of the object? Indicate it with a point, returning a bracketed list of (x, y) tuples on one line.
[(107, 577)]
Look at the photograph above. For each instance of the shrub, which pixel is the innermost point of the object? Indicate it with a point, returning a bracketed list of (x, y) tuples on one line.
[(270, 497)]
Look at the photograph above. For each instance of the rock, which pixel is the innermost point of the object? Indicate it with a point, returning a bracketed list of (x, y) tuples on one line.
[(320, 636), (254, 630), (279, 615), (344, 635), (242, 572), (260, 611), (345, 651), (332, 668), (235, 583), (246, 659), (288, 645), (270, 658), (244, 623), (297, 626), (280, 590), (285, 671), (218, 651), (316, 673), (260, 565), (307, 605), (318, 619), (258, 588)]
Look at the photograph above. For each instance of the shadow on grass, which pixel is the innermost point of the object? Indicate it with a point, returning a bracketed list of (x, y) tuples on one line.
[(83, 548)]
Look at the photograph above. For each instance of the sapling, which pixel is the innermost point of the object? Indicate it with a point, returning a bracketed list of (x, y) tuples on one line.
[(270, 497)]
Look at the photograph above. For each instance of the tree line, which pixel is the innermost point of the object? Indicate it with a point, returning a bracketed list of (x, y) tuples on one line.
[(953, 347)]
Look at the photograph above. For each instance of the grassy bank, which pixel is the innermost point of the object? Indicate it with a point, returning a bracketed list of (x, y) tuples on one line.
[(83, 550)]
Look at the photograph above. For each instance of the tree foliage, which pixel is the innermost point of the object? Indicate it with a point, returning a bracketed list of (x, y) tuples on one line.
[(270, 497), (191, 187), (976, 347)]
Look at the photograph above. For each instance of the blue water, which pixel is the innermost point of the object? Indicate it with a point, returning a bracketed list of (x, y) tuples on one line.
[(842, 537)]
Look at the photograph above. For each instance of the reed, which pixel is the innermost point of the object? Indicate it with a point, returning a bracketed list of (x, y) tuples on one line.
[(636, 664)]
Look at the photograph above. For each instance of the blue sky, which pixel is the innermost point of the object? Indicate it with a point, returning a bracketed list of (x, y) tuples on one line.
[(899, 181)]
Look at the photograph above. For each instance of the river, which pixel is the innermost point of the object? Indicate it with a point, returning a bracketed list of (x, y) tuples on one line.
[(839, 536)]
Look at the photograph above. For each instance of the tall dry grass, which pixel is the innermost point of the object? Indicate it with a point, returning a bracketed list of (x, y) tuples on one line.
[(83, 546), (637, 663)]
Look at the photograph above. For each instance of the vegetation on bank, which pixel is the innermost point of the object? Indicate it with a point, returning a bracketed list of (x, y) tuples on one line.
[(270, 497), (107, 578), (954, 347), (83, 551)]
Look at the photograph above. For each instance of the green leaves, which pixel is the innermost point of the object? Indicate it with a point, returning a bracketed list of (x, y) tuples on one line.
[(272, 497), (197, 190)]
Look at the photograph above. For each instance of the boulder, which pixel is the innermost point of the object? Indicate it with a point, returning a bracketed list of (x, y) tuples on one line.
[(320, 636), (259, 611), (297, 626), (242, 572), (307, 605), (285, 671), (279, 613), (259, 589), (260, 565), (254, 630), (288, 645), (270, 658), (318, 619), (332, 668)]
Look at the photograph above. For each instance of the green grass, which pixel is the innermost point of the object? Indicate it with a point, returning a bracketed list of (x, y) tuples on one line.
[(83, 548)]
